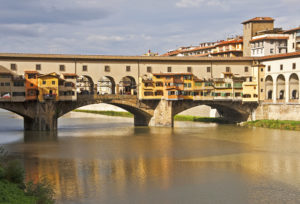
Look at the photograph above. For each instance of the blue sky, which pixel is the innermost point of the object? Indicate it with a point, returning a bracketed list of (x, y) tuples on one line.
[(123, 27)]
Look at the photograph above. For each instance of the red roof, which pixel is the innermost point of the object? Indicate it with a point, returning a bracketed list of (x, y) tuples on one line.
[(292, 30), (259, 19), (171, 74), (230, 42), (69, 74), (31, 72), (270, 38), (198, 48), (279, 56)]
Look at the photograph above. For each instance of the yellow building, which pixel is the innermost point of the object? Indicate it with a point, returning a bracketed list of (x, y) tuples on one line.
[(48, 87)]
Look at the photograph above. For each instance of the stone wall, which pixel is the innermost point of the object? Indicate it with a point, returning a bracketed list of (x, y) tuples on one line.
[(277, 112)]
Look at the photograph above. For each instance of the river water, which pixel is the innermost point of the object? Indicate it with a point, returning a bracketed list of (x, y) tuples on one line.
[(101, 159)]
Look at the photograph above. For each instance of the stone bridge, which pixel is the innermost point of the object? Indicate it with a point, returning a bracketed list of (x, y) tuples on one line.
[(43, 116)]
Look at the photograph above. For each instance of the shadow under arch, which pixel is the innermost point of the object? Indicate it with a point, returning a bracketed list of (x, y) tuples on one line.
[(141, 117), (230, 111), (269, 87), (280, 81), (294, 86)]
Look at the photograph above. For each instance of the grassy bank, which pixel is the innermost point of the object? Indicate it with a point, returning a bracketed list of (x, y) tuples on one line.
[(108, 113), (275, 124), (13, 188), (177, 117)]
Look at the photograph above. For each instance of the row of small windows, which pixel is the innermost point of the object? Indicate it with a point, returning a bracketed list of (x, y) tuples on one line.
[(128, 68), (281, 67)]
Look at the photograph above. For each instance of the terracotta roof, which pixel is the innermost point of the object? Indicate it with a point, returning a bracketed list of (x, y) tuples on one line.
[(280, 56), (292, 30), (31, 72), (116, 58), (230, 42), (171, 74), (69, 74), (270, 38), (198, 48), (259, 19)]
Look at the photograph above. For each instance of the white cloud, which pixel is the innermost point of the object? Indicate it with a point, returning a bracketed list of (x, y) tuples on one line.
[(198, 3)]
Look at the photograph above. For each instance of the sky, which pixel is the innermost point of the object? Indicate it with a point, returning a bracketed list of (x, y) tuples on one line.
[(129, 27)]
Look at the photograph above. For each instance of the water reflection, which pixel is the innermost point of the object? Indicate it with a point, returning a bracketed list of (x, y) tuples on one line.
[(37, 136), (116, 163)]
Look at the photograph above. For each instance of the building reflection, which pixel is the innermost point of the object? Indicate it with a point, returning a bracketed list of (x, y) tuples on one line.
[(90, 176)]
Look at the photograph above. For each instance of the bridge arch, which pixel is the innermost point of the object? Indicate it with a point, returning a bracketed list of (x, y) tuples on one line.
[(230, 111), (269, 87), (280, 81), (294, 87), (106, 85)]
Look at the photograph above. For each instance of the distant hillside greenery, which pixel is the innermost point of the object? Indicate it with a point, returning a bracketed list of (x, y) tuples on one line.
[(13, 189)]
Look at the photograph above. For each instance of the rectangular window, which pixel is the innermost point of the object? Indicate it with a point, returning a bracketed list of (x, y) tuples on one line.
[(246, 69), (107, 68), (271, 50), (149, 69), (207, 69), (44, 82), (269, 68), (261, 90), (62, 67), (13, 67), (7, 83), (84, 68), (169, 69), (262, 69), (281, 67), (18, 94), (189, 69), (53, 82), (294, 65), (38, 67), (262, 79), (18, 83), (227, 69), (128, 68)]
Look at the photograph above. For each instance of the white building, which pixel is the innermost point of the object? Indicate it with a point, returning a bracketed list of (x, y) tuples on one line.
[(294, 39), (282, 73), (269, 44)]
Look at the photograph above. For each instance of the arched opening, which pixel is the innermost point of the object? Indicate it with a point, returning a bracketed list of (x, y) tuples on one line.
[(85, 85), (269, 87), (294, 87), (106, 85), (280, 87), (270, 95), (127, 86)]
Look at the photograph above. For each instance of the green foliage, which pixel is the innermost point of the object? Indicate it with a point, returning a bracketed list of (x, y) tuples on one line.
[(12, 187), (14, 172), (11, 194), (199, 119), (42, 191), (108, 113), (275, 124)]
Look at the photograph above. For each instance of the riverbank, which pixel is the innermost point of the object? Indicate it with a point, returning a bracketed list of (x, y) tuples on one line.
[(274, 124), (177, 117)]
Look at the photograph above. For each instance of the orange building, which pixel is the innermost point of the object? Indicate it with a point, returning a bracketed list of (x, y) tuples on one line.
[(31, 85)]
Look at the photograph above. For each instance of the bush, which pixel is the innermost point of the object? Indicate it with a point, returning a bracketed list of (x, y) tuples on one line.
[(42, 191), (15, 173)]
